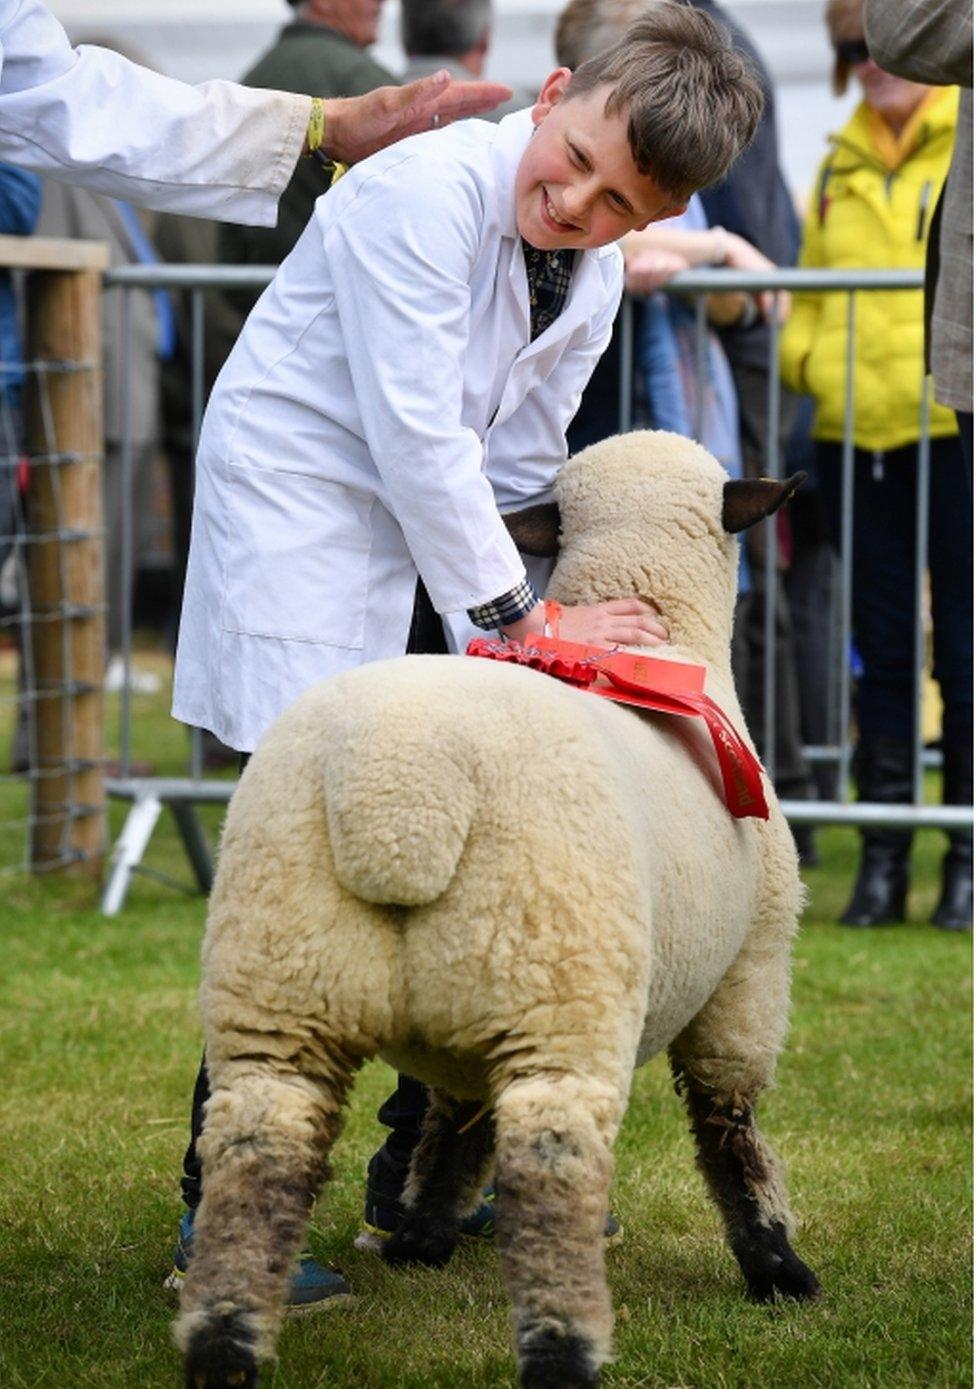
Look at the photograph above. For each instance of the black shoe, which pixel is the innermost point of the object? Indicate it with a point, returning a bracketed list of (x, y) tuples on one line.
[(884, 771), (881, 890), (955, 909)]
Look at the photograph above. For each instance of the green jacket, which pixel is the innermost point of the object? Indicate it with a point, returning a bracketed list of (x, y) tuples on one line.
[(321, 62)]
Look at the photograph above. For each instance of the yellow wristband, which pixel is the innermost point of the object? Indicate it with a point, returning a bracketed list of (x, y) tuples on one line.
[(315, 138)]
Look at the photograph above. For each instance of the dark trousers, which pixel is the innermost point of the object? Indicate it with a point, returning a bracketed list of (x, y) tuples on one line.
[(404, 1111), (792, 772), (883, 596)]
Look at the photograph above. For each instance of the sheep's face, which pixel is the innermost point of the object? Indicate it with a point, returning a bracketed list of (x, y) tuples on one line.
[(642, 516)]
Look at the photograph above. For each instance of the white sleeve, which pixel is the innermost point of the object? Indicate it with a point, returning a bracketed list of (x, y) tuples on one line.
[(527, 451), (91, 117), (402, 268)]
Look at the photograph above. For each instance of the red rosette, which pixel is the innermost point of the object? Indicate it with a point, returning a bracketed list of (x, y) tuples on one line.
[(546, 662), (667, 687)]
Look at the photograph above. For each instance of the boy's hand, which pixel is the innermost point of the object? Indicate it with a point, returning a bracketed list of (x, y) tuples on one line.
[(620, 622)]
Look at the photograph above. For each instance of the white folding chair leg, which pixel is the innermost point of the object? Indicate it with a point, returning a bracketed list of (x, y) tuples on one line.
[(128, 851)]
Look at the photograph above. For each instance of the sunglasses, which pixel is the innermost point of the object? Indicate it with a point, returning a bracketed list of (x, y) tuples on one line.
[(852, 52)]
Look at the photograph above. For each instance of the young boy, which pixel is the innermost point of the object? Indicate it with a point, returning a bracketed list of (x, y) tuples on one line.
[(410, 374)]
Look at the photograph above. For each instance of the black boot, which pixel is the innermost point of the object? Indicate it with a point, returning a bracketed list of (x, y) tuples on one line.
[(955, 909), (883, 769)]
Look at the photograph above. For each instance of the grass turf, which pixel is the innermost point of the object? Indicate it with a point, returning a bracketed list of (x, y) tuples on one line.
[(99, 1048)]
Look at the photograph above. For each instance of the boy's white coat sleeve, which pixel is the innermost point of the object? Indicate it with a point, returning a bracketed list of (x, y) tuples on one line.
[(403, 299), (92, 117)]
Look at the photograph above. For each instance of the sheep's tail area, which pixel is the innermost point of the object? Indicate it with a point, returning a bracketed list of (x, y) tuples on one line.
[(400, 802)]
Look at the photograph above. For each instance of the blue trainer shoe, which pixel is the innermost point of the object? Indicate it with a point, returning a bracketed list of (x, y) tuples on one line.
[(313, 1285)]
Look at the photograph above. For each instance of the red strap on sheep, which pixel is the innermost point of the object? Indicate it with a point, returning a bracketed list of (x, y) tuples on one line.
[(668, 687)]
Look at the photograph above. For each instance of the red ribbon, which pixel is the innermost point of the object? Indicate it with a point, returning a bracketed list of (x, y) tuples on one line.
[(647, 682)]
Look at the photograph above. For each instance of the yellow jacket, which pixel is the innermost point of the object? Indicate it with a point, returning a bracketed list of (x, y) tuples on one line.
[(871, 209)]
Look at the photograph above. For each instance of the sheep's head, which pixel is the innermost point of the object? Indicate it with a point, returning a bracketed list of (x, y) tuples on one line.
[(651, 515)]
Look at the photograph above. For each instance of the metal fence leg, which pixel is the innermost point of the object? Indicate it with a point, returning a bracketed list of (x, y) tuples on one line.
[(129, 849), (195, 843)]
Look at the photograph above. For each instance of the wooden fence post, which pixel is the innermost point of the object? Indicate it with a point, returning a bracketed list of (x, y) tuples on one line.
[(65, 549)]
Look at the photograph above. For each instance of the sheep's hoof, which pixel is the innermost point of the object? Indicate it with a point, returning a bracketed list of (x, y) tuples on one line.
[(552, 1361), (771, 1267), (218, 1357), (421, 1242)]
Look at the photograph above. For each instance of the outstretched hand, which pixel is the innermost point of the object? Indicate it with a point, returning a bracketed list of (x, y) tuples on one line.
[(358, 126), (619, 622)]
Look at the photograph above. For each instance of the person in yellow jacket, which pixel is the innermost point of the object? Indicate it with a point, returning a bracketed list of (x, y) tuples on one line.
[(871, 206)]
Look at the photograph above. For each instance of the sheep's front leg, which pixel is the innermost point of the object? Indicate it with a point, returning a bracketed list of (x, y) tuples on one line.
[(447, 1171), (722, 1062), (552, 1179), (264, 1148)]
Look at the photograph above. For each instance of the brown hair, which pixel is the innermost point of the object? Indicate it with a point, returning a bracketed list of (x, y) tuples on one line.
[(693, 102), (845, 21)]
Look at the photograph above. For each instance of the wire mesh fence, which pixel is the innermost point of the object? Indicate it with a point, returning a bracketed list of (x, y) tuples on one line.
[(51, 585)]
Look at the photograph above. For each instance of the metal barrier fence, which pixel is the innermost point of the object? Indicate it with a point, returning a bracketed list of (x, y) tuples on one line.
[(149, 796)]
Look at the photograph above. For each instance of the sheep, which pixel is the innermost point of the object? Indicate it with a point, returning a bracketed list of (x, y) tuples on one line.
[(517, 892)]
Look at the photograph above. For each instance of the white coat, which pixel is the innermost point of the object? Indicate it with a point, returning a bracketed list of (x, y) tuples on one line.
[(382, 403), (90, 116)]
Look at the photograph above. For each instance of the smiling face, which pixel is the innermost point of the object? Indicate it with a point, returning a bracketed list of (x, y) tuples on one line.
[(577, 185)]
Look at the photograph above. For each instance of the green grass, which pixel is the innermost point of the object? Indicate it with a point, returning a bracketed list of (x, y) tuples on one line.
[(99, 1048)]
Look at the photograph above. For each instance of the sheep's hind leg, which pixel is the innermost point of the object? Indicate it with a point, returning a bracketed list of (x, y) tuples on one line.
[(721, 1063), (264, 1148), (743, 1174), (552, 1179), (447, 1172)]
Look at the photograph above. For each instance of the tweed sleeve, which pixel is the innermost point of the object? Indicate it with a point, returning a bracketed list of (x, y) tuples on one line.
[(923, 40)]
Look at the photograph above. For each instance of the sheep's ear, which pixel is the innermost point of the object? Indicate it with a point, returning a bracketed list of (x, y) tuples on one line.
[(746, 501), (535, 529)]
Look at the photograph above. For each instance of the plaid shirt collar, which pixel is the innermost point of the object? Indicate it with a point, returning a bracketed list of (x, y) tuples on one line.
[(550, 275)]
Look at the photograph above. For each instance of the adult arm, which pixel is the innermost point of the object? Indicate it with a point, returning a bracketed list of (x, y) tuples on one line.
[(653, 256), (91, 117), (923, 40)]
